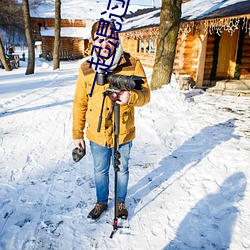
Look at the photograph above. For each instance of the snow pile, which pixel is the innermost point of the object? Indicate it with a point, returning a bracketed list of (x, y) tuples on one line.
[(189, 169)]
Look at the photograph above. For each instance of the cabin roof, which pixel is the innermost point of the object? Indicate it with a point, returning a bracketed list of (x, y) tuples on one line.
[(148, 19), (208, 9), (78, 9), (193, 10)]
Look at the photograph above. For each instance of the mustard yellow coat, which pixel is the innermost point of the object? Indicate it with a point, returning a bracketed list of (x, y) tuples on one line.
[(86, 109)]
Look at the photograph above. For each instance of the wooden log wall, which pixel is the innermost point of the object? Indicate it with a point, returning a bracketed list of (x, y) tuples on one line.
[(146, 59), (47, 45), (50, 22), (79, 46), (178, 61), (73, 45), (66, 44), (185, 59), (190, 56), (186, 55), (131, 46)]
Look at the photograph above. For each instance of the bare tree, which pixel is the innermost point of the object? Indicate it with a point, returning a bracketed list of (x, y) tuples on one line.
[(56, 59), (11, 23), (36, 3), (28, 33), (168, 34), (11, 16), (3, 57)]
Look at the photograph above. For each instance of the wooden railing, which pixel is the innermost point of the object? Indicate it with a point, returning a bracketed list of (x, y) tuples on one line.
[(64, 55)]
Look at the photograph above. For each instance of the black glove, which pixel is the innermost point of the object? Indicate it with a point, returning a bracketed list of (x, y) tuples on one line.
[(78, 153)]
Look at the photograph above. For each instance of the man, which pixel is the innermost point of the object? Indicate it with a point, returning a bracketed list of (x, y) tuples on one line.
[(86, 109)]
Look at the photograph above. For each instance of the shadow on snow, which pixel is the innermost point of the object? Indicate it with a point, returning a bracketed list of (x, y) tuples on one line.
[(190, 153), (209, 225), (215, 221), (23, 110)]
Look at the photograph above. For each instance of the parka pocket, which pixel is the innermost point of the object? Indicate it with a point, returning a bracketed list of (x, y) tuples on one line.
[(127, 119)]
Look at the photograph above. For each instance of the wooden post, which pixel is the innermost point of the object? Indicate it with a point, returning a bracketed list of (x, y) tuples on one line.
[(140, 44), (201, 60), (149, 45), (145, 45)]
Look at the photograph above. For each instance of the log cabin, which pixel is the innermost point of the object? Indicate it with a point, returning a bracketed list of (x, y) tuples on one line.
[(213, 41), (77, 19), (74, 37)]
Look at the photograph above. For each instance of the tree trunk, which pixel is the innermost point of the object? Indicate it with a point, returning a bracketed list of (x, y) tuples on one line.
[(168, 35), (3, 57), (28, 33), (56, 59)]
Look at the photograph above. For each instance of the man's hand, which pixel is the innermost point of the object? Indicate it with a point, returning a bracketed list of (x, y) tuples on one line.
[(79, 143), (79, 151), (123, 97)]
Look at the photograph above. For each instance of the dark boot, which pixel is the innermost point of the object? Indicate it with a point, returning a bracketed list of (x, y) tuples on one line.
[(97, 210), (122, 211)]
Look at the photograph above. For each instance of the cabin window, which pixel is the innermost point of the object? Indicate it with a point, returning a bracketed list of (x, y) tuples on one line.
[(146, 45), (141, 46)]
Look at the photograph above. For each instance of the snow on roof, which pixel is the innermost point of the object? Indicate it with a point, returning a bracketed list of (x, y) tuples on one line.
[(141, 2), (197, 9), (191, 11), (140, 16), (145, 20), (78, 9), (79, 32)]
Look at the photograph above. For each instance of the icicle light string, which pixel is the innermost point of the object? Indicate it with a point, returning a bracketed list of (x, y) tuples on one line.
[(246, 25), (218, 25)]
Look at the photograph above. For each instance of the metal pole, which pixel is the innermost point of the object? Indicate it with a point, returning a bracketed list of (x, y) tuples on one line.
[(116, 161)]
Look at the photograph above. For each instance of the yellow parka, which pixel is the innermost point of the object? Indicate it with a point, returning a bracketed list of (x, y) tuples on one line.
[(87, 109)]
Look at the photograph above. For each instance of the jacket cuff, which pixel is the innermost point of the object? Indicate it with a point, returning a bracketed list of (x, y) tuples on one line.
[(77, 135)]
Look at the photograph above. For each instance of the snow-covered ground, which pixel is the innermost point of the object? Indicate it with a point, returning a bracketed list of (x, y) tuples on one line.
[(189, 170)]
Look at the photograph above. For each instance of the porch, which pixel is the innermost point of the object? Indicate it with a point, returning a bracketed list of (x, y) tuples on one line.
[(231, 87)]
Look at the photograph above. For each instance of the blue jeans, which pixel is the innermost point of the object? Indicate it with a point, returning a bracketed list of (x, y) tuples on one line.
[(102, 157)]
